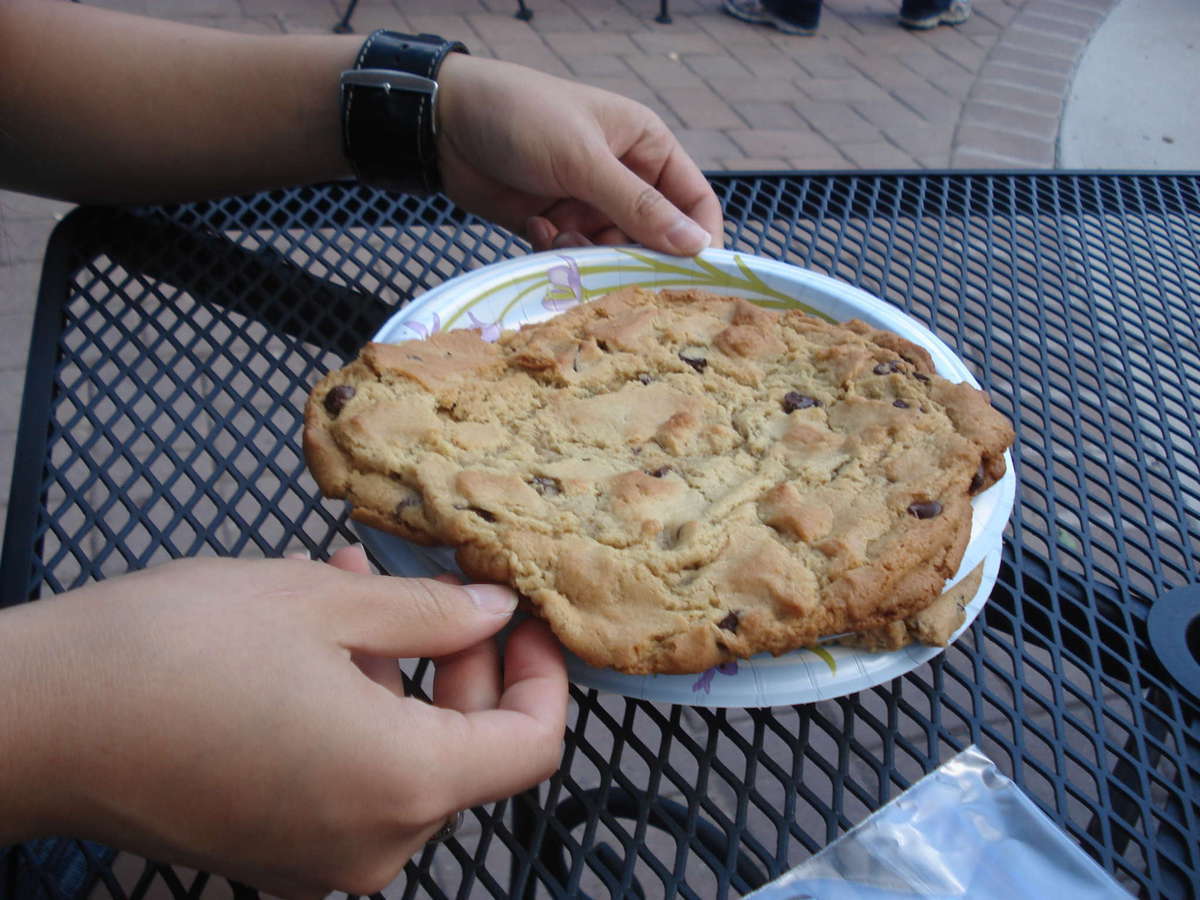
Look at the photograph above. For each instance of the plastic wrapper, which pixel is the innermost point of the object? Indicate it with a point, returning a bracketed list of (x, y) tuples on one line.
[(964, 830)]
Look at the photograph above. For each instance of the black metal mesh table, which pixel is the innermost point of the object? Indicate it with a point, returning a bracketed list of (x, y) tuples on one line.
[(172, 354)]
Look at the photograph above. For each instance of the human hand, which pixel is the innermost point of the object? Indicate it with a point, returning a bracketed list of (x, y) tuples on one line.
[(210, 712), (563, 163)]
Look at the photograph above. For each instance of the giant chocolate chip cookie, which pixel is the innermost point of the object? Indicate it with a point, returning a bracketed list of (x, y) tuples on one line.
[(672, 479)]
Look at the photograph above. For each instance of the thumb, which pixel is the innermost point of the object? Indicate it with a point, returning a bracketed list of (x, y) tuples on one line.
[(412, 617), (644, 213), (351, 559)]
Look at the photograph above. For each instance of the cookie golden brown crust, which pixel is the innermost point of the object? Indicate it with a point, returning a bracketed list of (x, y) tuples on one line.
[(932, 625), (672, 479)]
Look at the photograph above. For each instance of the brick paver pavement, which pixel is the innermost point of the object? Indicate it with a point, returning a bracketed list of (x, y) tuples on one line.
[(861, 94)]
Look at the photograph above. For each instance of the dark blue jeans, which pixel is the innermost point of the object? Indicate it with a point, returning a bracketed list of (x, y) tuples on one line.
[(807, 13), (52, 869)]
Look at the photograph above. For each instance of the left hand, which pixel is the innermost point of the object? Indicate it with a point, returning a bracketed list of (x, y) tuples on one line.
[(464, 680), (210, 712), (562, 163)]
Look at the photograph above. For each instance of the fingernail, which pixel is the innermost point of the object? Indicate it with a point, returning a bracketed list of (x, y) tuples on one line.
[(492, 598), (687, 237), (539, 232), (299, 554), (570, 239)]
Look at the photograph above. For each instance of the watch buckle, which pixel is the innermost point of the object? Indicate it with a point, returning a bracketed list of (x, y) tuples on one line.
[(389, 80)]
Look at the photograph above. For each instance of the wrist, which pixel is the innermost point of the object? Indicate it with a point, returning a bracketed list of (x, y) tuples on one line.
[(456, 69), (390, 110)]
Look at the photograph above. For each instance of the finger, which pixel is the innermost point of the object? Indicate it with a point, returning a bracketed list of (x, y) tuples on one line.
[(642, 211), (411, 617), (351, 559), (500, 752), (468, 680), (566, 239), (611, 237), (566, 224), (541, 232), (380, 669), (575, 215), (535, 675), (682, 183)]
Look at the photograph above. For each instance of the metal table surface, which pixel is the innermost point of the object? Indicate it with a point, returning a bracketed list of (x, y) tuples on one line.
[(173, 350)]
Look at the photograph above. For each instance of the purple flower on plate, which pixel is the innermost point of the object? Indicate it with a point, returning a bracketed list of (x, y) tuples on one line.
[(489, 331), (566, 288), (423, 330), (704, 682)]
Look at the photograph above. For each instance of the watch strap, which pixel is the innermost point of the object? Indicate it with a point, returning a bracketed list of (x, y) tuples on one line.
[(389, 110)]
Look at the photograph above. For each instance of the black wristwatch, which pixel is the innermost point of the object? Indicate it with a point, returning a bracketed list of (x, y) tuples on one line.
[(389, 110)]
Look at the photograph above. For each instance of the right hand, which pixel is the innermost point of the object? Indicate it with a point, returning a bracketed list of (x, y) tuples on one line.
[(242, 717), (564, 163)]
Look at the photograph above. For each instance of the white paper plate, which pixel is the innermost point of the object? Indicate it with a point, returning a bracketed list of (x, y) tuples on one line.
[(509, 294)]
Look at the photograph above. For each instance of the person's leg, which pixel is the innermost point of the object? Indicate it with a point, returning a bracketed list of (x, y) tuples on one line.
[(925, 14), (803, 14), (789, 16), (747, 11)]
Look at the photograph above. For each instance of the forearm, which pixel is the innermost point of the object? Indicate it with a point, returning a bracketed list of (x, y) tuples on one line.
[(97, 106), (27, 743)]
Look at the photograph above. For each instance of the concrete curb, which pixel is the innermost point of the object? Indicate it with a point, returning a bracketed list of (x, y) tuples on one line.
[(1012, 117)]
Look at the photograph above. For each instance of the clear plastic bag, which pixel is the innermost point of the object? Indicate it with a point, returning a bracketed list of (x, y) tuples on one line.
[(964, 830)]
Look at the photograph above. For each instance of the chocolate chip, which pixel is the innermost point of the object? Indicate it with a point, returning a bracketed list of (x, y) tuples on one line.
[(899, 404), (886, 368), (920, 376), (659, 473), (483, 514), (547, 487), (337, 398), (697, 363), (645, 378), (794, 400), (730, 622), (406, 503), (603, 345), (977, 480), (925, 509)]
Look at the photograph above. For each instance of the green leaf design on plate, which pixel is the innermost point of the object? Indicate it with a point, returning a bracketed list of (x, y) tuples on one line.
[(826, 657), (534, 280), (683, 273), (705, 274)]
